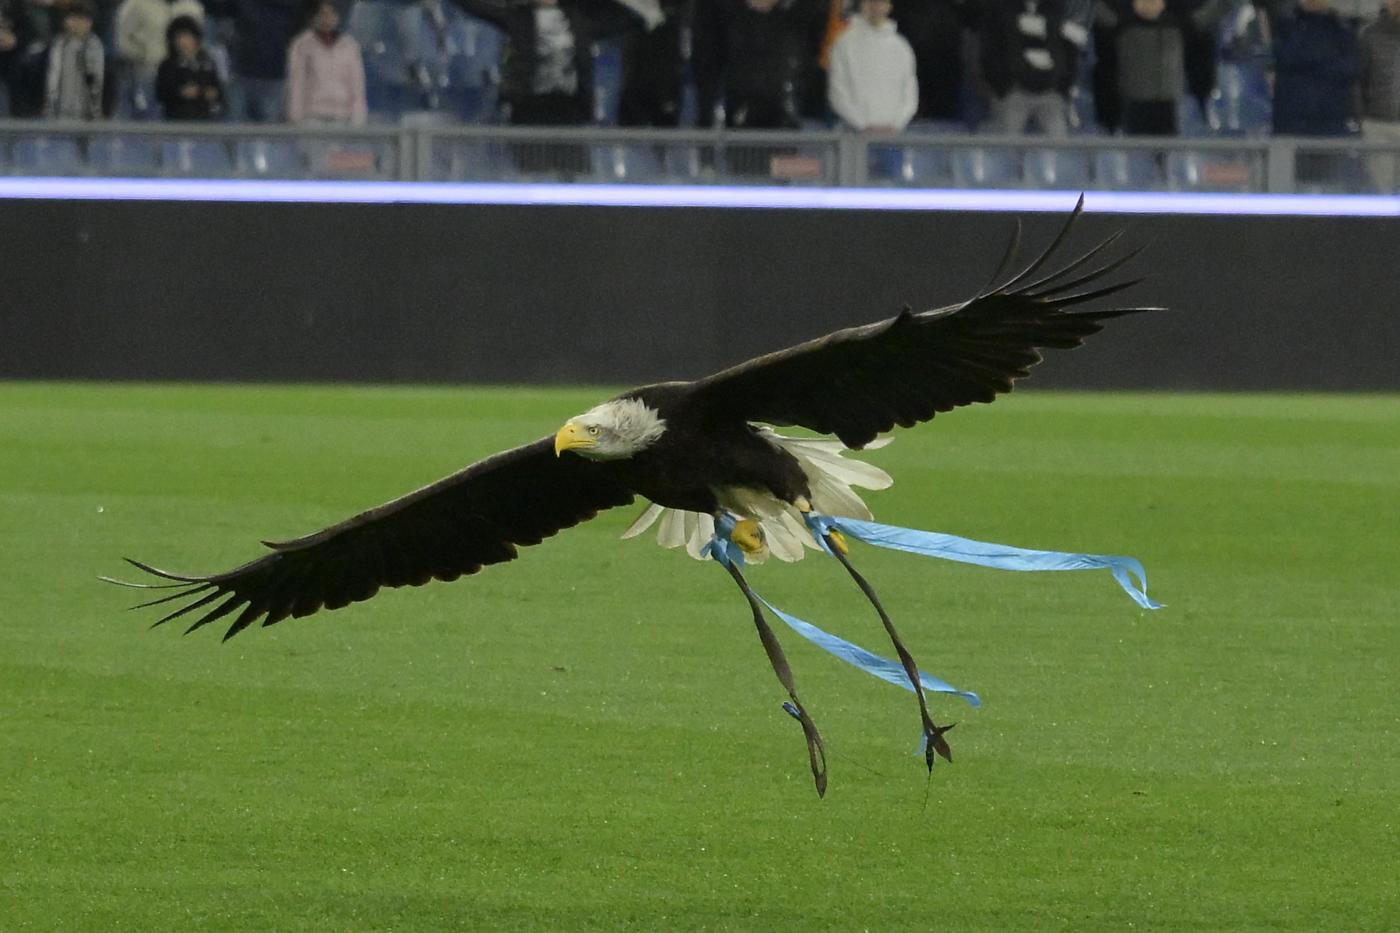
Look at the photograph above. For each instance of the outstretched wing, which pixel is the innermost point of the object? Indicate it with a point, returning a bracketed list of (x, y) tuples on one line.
[(858, 382), (456, 526)]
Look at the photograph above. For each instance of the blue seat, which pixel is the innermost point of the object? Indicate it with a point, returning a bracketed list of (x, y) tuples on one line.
[(119, 156), (986, 168), (47, 155), (683, 164), (200, 158), (475, 104), (1240, 105), (371, 22), (270, 158), (630, 164), (607, 82), (913, 166), (1191, 123), (388, 102), (1127, 170), (1057, 168), (387, 91)]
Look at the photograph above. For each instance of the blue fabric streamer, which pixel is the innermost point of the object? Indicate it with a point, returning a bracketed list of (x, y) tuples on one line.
[(885, 669), (929, 544), (999, 556), (724, 550)]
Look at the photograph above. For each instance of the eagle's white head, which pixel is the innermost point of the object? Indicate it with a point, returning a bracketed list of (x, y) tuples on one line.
[(613, 430)]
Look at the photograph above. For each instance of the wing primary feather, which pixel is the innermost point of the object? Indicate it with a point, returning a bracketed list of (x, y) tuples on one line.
[(1098, 273), (189, 608), (1013, 246), (163, 573), (859, 381), (246, 618), (280, 605), (1074, 265), (142, 586), (1049, 250), (188, 591), (1092, 294), (218, 612)]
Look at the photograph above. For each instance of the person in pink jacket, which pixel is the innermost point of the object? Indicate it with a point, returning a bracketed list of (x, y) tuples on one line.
[(325, 73)]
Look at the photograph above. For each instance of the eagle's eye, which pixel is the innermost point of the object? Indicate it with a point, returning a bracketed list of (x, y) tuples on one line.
[(593, 429)]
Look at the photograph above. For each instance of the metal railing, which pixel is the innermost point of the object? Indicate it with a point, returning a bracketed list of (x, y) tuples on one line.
[(429, 152)]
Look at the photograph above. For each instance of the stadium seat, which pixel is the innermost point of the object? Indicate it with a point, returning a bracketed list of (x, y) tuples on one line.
[(123, 156), (632, 164), (47, 155), (201, 158), (607, 82), (1240, 104), (475, 104), (683, 164), (1057, 168), (986, 168), (1127, 170), (387, 93), (920, 166), (270, 158), (1191, 123), (387, 103), (471, 160)]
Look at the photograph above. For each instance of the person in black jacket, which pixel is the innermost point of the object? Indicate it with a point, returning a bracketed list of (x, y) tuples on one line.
[(757, 56), (263, 31), (1317, 61), (547, 67), (653, 71), (23, 63), (1030, 58), (935, 31), (187, 84), (1151, 39)]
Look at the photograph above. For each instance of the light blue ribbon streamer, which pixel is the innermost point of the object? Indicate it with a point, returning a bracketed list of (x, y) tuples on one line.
[(722, 548), (999, 556), (883, 668)]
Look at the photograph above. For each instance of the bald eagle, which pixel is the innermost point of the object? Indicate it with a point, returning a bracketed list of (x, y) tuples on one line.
[(700, 452)]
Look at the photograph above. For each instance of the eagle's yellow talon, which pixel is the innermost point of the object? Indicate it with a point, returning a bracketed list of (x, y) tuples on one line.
[(838, 541), (748, 535)]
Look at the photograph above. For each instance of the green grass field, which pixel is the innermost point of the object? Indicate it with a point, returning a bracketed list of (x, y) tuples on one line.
[(591, 739)]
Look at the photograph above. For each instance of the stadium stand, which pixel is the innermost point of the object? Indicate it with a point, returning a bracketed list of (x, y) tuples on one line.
[(433, 83)]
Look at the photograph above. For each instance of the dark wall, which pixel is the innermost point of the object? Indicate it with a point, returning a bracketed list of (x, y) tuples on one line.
[(564, 294)]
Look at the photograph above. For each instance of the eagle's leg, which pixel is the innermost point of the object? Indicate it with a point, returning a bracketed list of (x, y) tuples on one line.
[(933, 733), (748, 534), (816, 749)]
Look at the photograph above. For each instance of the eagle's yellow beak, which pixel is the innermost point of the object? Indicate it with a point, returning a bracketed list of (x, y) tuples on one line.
[(571, 436)]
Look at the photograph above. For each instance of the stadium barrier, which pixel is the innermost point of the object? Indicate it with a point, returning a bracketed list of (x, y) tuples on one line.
[(540, 293), (428, 151)]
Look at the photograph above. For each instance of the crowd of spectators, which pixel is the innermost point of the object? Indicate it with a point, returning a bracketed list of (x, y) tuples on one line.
[(1012, 66)]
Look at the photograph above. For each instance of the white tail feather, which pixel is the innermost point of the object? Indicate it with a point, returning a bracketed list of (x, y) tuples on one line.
[(644, 521), (830, 477)]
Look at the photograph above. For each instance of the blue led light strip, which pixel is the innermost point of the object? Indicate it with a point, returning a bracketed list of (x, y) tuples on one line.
[(582, 195)]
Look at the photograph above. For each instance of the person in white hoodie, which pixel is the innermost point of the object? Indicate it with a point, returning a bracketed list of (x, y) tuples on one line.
[(871, 83)]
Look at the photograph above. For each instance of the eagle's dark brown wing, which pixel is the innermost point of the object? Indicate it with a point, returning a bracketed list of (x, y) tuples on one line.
[(455, 526), (858, 382)]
